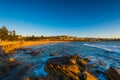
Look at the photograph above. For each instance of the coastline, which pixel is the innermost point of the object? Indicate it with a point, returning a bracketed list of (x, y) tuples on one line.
[(9, 46)]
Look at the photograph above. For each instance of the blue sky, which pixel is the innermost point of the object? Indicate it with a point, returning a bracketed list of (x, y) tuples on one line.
[(82, 18)]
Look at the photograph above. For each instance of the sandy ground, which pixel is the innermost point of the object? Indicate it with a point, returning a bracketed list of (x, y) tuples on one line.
[(8, 46), (28, 43), (33, 43)]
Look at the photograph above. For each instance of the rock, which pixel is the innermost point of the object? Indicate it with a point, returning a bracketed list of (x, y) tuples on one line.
[(11, 60), (113, 73), (6, 67), (81, 62), (52, 77), (88, 76), (18, 72), (2, 52), (54, 54), (24, 49), (35, 52), (76, 56), (67, 68), (92, 66), (34, 78), (98, 72), (87, 59), (101, 63)]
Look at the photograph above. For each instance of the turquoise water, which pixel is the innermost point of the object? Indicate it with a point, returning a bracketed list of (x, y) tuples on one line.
[(106, 52)]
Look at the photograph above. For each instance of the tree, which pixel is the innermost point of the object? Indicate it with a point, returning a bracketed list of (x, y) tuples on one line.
[(10, 35), (3, 33), (14, 36)]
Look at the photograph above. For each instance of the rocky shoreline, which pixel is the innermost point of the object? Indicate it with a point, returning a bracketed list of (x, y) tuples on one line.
[(74, 67), (66, 67)]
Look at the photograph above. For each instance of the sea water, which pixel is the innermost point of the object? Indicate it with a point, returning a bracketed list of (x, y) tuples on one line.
[(107, 52)]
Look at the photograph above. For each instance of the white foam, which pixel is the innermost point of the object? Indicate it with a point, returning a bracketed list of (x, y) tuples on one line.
[(110, 48)]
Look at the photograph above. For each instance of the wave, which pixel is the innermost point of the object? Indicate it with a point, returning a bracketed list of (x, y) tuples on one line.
[(109, 48)]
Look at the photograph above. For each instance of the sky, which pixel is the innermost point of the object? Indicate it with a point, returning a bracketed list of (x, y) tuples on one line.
[(82, 18)]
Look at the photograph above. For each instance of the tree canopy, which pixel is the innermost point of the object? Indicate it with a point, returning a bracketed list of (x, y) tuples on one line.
[(5, 34)]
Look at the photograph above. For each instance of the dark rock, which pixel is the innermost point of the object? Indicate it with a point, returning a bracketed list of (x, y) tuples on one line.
[(87, 59), (35, 52), (24, 49), (101, 63), (34, 78), (113, 73), (92, 66), (6, 67), (67, 68), (88, 76), (82, 64), (2, 52), (18, 72), (52, 77), (98, 72), (76, 56), (54, 54)]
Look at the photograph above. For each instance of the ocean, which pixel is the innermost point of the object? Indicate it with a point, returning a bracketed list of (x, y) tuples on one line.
[(107, 52)]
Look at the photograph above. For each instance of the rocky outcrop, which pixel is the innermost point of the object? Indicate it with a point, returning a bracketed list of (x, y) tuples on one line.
[(2, 53), (113, 73), (6, 67), (68, 68), (9, 47), (36, 51), (13, 70)]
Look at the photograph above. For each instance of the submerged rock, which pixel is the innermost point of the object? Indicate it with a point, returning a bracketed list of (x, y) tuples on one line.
[(11, 60), (6, 67), (2, 52), (54, 54), (35, 52), (113, 73), (34, 78), (67, 68), (24, 49), (101, 63), (87, 76), (87, 59)]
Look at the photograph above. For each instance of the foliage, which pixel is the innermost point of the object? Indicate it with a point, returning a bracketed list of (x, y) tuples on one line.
[(6, 35)]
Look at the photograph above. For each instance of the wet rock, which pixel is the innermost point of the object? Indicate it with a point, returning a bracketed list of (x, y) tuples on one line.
[(113, 73), (6, 67), (87, 59), (52, 77), (101, 63), (81, 62), (88, 76), (11, 60), (18, 72), (34, 78), (2, 53), (24, 49), (76, 56), (66, 55), (98, 72), (13, 51), (54, 54), (35, 52), (92, 66), (67, 68)]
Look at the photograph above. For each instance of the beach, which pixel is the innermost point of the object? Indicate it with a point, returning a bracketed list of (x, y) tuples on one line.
[(7, 46)]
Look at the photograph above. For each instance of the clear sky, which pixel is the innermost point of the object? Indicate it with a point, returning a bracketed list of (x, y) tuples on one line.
[(82, 18)]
